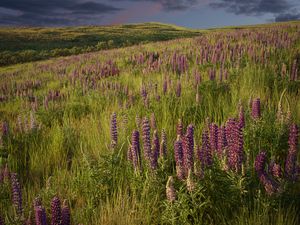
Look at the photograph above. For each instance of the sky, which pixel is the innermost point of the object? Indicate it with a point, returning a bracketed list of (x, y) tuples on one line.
[(188, 13)]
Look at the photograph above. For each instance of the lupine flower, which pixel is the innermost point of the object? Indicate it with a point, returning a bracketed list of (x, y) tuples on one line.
[(188, 148), (135, 150), (40, 215), (170, 190), (256, 109), (65, 214), (275, 169), (113, 130), (179, 128), (291, 160), (163, 144), (234, 136), (190, 182), (205, 154), (178, 152), (270, 185), (129, 154), (55, 211), (260, 162), (146, 139), (154, 150), (153, 121), (16, 193), (213, 136)]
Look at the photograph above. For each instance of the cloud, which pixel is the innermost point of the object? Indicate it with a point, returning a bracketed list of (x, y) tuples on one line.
[(287, 17), (252, 7), (52, 12), (282, 10), (171, 5)]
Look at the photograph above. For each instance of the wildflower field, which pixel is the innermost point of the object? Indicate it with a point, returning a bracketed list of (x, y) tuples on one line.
[(201, 130)]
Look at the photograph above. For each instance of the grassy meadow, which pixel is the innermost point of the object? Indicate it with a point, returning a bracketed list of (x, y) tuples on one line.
[(197, 130)]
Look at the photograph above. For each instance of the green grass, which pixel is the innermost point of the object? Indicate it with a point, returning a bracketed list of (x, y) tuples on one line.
[(35, 43), (69, 155)]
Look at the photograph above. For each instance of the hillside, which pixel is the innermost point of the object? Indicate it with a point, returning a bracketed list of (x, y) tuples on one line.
[(193, 131), (20, 45)]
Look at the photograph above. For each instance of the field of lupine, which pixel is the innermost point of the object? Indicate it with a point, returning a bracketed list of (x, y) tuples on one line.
[(190, 131)]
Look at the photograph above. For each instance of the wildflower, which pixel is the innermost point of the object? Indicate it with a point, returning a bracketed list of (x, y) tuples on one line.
[(113, 130), (16, 193), (170, 190), (55, 211)]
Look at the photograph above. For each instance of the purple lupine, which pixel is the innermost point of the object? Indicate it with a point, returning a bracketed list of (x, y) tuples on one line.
[(178, 152), (163, 144), (188, 148), (40, 215), (65, 214), (275, 170), (154, 150), (16, 193), (235, 142), (222, 142), (146, 138), (204, 153), (256, 112), (153, 121), (213, 136), (179, 128), (170, 190), (241, 117), (55, 211), (135, 150), (178, 89), (113, 130), (269, 184), (260, 162), (291, 161), (129, 154)]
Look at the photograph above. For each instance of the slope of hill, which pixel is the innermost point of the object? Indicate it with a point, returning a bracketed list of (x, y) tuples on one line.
[(29, 44)]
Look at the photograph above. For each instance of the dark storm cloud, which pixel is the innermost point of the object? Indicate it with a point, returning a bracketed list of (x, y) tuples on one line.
[(282, 10), (287, 17), (52, 12), (170, 5), (252, 7)]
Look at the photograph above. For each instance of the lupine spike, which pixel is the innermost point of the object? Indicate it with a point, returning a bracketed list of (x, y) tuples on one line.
[(163, 144), (291, 161), (188, 148), (135, 150), (55, 211), (113, 130), (178, 152), (16, 193), (213, 136), (65, 213), (154, 150), (256, 112), (40, 215), (179, 128), (170, 190), (146, 139)]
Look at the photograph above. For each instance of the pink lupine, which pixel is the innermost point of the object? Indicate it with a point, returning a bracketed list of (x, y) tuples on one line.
[(178, 152), (154, 150), (113, 130), (146, 138), (256, 114), (170, 190)]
